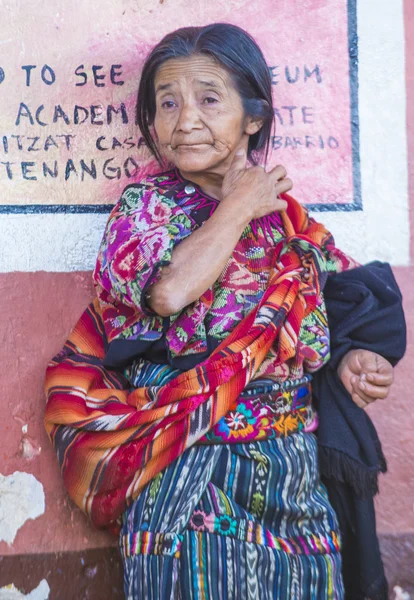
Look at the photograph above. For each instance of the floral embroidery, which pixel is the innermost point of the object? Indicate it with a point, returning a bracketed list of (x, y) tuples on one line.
[(200, 521), (261, 459), (244, 423), (225, 525), (197, 520), (257, 504), (145, 226), (155, 486), (282, 404), (250, 531), (235, 421), (265, 416)]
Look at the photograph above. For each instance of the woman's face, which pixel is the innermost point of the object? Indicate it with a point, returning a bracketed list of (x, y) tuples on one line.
[(199, 120)]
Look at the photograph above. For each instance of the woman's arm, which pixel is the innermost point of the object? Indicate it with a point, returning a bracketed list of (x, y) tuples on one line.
[(198, 260)]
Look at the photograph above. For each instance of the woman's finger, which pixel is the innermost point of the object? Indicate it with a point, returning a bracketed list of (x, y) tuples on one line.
[(372, 391), (362, 395), (384, 365), (380, 378), (283, 186), (280, 205), (277, 173), (358, 400)]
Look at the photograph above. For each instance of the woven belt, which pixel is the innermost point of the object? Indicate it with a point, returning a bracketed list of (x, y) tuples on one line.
[(264, 410), (267, 386)]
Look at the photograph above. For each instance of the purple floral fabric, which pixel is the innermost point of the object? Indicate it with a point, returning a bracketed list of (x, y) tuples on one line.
[(149, 220)]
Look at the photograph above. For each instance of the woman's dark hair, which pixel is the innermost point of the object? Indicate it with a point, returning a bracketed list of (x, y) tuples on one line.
[(236, 51)]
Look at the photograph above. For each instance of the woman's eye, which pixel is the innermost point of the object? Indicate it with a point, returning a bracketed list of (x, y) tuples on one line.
[(168, 104), (210, 100)]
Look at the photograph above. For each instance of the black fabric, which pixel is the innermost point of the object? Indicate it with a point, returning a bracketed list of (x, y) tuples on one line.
[(364, 308), (121, 353)]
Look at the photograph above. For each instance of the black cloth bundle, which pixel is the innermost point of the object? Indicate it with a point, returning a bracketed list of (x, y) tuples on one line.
[(364, 308)]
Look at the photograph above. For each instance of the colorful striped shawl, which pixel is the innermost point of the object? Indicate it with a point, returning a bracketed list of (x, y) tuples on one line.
[(111, 440)]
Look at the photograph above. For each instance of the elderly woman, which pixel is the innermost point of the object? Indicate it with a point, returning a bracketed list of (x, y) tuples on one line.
[(181, 406)]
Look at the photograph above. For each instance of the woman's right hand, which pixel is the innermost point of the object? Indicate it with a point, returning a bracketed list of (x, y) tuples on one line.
[(253, 189)]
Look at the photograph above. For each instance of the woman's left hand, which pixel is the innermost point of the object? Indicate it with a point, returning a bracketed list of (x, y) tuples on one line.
[(367, 376)]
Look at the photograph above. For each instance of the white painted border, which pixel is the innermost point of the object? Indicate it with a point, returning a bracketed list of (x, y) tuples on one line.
[(50, 242), (382, 231), (60, 242)]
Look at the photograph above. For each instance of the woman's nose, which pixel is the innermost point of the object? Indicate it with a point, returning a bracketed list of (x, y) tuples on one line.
[(188, 118)]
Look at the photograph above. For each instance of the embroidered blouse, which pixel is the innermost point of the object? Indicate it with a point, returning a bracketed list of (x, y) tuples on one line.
[(149, 220)]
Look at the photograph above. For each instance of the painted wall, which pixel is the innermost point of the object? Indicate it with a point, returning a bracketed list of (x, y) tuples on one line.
[(344, 96)]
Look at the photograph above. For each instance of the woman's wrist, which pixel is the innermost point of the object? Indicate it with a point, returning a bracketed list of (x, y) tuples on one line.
[(239, 210)]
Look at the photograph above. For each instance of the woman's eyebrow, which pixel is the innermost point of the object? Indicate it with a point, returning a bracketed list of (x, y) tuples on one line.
[(163, 86), (166, 86)]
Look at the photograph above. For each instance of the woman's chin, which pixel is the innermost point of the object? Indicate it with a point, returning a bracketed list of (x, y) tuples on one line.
[(195, 164)]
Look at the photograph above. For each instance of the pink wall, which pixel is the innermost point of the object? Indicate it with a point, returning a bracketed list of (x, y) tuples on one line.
[(395, 420), (31, 335)]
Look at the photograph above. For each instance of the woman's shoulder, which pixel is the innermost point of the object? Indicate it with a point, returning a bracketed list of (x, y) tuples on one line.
[(158, 182), (157, 188)]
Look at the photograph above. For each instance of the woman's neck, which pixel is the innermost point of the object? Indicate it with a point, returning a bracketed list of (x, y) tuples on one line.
[(210, 183)]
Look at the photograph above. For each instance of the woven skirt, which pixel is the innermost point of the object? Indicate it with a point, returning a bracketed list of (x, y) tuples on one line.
[(241, 521)]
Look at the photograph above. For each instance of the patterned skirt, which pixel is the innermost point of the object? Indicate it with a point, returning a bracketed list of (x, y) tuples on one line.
[(241, 521)]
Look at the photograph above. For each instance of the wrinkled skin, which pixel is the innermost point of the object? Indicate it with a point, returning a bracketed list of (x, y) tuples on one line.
[(199, 121)]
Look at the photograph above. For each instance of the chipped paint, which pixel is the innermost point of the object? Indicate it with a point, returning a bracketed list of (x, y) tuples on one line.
[(28, 449), (21, 498), (10, 592)]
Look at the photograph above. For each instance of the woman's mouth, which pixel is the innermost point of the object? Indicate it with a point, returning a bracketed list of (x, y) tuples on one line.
[(190, 147)]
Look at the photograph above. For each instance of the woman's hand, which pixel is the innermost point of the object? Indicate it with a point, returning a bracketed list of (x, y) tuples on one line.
[(198, 261), (254, 190), (366, 375)]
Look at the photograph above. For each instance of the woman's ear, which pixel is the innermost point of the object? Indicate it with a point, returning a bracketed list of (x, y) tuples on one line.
[(253, 125)]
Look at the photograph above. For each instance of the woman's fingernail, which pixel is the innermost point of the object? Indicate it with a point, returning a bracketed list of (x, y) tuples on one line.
[(240, 152), (363, 376)]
